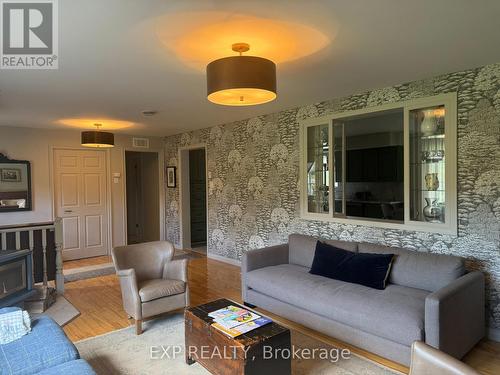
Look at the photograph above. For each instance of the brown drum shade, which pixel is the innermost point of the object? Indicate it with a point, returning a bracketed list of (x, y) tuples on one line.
[(241, 80), (98, 139)]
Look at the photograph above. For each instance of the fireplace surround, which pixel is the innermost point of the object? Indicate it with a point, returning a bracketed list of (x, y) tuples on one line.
[(16, 277)]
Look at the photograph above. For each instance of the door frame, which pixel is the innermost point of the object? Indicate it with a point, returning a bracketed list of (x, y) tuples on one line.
[(161, 189), (107, 181), (184, 217)]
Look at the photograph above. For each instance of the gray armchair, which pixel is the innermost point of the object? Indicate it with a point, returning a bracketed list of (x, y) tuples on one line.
[(151, 282)]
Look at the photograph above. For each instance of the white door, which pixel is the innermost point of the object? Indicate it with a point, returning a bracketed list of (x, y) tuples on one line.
[(80, 200)]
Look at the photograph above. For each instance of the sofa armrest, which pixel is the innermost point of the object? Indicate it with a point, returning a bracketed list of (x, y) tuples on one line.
[(455, 315), (260, 258), (176, 270)]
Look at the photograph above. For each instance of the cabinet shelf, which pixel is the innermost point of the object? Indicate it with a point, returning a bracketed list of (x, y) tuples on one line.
[(434, 136), (427, 137), (429, 191), (427, 162)]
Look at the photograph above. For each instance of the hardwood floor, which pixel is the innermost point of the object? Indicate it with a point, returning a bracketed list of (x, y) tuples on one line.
[(86, 262), (100, 304)]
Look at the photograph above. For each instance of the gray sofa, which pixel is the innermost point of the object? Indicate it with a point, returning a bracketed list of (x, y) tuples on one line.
[(429, 298)]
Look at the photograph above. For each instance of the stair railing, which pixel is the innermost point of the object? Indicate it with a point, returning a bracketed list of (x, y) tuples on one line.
[(56, 227)]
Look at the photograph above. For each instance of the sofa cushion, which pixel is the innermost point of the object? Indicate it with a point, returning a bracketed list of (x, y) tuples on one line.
[(301, 248), (371, 270), (78, 367), (159, 288), (45, 346), (396, 313), (419, 270)]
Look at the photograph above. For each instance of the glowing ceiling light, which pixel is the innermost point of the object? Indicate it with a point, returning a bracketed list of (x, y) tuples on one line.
[(241, 80), (97, 138)]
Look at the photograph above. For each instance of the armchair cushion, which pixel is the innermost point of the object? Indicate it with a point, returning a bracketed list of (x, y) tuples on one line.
[(150, 290)]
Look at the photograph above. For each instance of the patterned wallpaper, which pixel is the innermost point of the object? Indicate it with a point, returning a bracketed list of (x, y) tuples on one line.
[(254, 169)]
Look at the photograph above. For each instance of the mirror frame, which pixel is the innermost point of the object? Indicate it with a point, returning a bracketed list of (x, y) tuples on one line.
[(28, 207)]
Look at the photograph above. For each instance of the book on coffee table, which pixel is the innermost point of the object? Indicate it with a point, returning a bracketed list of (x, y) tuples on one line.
[(234, 320), (242, 328), (232, 316)]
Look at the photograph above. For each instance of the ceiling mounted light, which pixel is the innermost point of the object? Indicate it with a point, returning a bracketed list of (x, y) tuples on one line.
[(97, 138), (148, 113), (241, 80)]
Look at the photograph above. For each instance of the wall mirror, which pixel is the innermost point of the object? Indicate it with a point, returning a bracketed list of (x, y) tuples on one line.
[(15, 185)]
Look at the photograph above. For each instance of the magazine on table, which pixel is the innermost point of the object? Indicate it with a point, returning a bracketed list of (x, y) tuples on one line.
[(234, 320), (243, 328)]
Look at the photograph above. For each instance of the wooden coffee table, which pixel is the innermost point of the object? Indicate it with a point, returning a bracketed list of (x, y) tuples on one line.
[(244, 354)]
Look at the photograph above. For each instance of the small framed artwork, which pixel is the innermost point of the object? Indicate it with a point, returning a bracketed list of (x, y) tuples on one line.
[(10, 175), (171, 177)]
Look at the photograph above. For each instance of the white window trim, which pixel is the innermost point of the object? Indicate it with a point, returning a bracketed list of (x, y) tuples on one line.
[(450, 226)]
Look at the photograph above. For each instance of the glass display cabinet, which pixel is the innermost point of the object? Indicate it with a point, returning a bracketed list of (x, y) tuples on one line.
[(427, 164), (391, 166), (431, 160), (318, 178)]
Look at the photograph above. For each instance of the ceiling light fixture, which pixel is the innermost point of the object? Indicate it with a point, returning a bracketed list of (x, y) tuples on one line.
[(97, 138), (241, 80), (148, 113)]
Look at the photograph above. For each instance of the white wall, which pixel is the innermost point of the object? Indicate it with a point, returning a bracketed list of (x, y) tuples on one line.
[(35, 146)]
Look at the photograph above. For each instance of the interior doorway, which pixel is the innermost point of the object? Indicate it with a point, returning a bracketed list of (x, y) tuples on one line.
[(194, 198), (143, 198)]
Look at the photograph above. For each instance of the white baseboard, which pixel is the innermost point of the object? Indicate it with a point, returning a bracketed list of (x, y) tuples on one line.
[(493, 334), (234, 262)]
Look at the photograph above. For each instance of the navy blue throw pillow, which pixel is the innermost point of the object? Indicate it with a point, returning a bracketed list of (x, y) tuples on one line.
[(367, 269)]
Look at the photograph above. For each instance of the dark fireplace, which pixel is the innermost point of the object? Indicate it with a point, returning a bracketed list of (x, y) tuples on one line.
[(16, 280)]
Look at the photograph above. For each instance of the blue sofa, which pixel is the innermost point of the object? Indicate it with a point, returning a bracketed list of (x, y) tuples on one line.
[(44, 351)]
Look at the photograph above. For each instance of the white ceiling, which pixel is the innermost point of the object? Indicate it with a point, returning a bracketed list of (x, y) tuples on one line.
[(119, 57)]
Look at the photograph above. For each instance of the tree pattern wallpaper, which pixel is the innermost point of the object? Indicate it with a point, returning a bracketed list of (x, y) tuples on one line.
[(254, 178)]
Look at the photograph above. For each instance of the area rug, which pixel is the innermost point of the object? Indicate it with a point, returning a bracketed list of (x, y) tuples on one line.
[(62, 311), (122, 352)]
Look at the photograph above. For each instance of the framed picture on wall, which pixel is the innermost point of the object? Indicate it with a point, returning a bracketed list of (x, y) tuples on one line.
[(171, 177), (10, 175)]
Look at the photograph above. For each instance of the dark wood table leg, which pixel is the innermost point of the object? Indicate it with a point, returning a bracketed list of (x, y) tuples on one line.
[(189, 360)]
